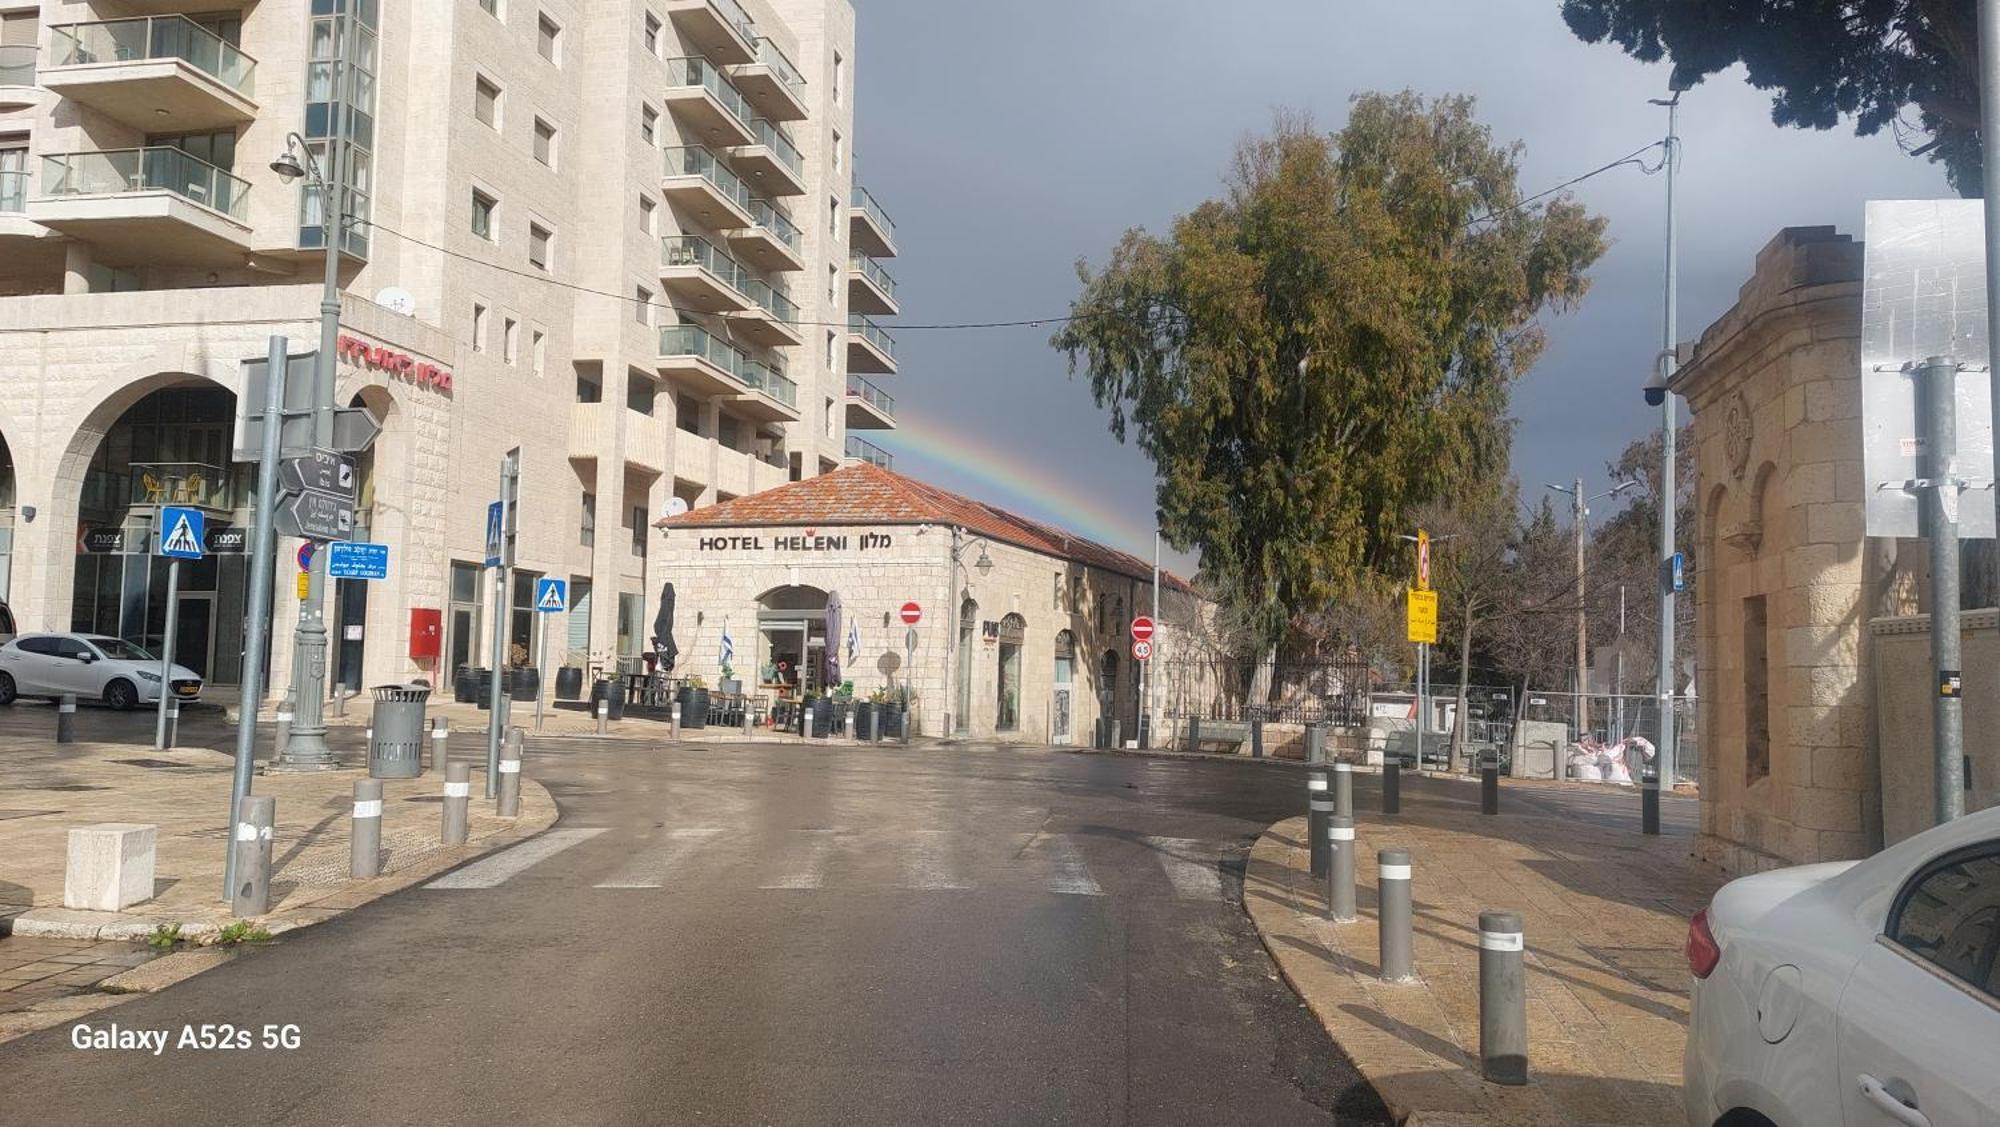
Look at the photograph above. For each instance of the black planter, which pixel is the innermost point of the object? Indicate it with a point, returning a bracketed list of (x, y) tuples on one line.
[(524, 682), (694, 707), (864, 720), (605, 690), (482, 687), (569, 683), (889, 722), (464, 685), (822, 717)]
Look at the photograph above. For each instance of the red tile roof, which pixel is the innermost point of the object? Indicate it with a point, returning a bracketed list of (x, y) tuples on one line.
[(868, 494)]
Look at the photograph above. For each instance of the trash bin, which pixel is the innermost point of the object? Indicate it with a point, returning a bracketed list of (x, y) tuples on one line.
[(694, 707), (396, 750), (464, 685), (607, 690), (482, 688), (526, 683), (569, 683)]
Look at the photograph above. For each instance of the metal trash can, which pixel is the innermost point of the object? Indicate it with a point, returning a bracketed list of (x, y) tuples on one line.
[(396, 750)]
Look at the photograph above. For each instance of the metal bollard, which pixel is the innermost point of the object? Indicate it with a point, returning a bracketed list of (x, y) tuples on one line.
[(1649, 801), (66, 719), (254, 819), (510, 776), (1392, 786), (1145, 732), (1392, 892), (1117, 731), (457, 792), (173, 732), (440, 742), (1256, 739), (747, 720), (1503, 999), (283, 739), (1315, 742), (1340, 869), (367, 835), (1343, 789), (603, 716), (1489, 785), (1194, 733), (340, 701), (1319, 807), (674, 722)]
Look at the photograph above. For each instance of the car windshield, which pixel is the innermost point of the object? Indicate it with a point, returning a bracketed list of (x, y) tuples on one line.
[(118, 649)]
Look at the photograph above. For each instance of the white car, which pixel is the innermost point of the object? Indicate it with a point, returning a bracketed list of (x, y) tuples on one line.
[(1854, 993), (91, 666)]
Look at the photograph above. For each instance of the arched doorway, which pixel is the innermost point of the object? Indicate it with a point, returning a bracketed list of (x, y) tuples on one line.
[(1062, 704), (1107, 685), (1013, 635), (968, 617), (791, 640)]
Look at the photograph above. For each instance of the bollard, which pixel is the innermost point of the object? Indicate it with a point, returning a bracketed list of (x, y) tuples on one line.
[(283, 739), (457, 792), (173, 733), (510, 776), (1343, 789), (340, 702), (1649, 801), (1489, 785), (1194, 733), (603, 716), (1256, 739), (367, 835), (1392, 913), (1117, 731), (252, 891), (1319, 807), (1145, 732), (674, 722), (1503, 999), (1392, 786), (1340, 869), (66, 719), (1315, 742), (747, 719), (440, 741)]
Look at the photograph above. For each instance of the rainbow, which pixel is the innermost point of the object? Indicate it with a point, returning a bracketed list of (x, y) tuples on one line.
[(1017, 479)]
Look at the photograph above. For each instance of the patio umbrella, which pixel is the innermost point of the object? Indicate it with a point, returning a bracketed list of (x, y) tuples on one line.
[(832, 639), (663, 630)]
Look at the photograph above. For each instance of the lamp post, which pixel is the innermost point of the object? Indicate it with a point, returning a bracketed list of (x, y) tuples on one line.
[(1657, 395), (1580, 512), (984, 565)]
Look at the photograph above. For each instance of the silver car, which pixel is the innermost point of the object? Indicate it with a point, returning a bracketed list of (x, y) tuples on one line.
[(1856, 993), (90, 666)]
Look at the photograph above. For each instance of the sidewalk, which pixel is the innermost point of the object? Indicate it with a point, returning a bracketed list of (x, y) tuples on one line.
[(1605, 915)]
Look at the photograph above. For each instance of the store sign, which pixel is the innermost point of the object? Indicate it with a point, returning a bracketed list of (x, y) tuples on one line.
[(101, 541), (808, 541), (398, 365)]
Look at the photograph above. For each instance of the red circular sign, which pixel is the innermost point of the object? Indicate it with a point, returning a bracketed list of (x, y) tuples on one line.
[(912, 614), (1142, 629), (1142, 650), (306, 556)]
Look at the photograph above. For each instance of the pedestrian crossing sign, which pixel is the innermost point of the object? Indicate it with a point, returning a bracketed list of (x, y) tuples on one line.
[(182, 533), (551, 595)]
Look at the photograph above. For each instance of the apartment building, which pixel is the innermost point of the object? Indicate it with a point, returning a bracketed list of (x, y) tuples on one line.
[(624, 236)]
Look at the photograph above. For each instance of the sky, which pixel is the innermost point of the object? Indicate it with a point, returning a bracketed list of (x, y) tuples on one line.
[(1008, 140)]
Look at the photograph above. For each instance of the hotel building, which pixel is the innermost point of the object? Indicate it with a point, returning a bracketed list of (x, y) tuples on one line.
[(625, 236)]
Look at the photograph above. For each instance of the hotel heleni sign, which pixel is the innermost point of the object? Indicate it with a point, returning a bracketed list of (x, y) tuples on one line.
[(397, 365), (790, 543)]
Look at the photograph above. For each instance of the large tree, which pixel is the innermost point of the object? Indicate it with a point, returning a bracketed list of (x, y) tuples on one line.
[(1825, 59), (1330, 345)]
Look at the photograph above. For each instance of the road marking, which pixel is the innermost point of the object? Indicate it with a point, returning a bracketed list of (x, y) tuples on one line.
[(650, 869), (1072, 876), (1190, 865), (929, 862), (507, 863), (810, 871)]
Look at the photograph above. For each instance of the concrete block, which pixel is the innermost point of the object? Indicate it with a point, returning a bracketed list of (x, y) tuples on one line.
[(110, 866)]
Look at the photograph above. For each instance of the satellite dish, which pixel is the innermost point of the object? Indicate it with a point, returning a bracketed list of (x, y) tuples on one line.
[(676, 506), (396, 299)]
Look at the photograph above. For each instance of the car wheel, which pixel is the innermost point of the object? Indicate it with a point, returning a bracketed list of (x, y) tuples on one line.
[(7, 693), (121, 695)]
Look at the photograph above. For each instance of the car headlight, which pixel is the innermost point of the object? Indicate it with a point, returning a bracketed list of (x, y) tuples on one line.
[(149, 675)]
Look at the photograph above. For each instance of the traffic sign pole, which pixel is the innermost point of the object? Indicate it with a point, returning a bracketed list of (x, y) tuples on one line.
[(167, 650), (496, 720), (257, 632), (551, 597)]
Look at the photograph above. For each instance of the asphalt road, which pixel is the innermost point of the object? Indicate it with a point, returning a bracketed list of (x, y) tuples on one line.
[(775, 934)]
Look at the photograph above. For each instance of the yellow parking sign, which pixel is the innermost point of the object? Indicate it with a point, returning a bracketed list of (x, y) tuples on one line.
[(1423, 616), (305, 583)]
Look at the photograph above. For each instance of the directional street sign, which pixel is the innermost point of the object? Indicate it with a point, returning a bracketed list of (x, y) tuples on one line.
[(315, 516), (551, 595), (182, 534), (357, 561), (354, 430), (1423, 616), (321, 471)]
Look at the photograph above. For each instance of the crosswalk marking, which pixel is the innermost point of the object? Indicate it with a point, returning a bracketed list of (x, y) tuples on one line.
[(928, 861), (1072, 876), (650, 869), (810, 871), (493, 870), (1190, 866)]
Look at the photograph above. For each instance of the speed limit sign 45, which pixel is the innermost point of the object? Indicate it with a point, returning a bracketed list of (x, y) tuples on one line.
[(1142, 650)]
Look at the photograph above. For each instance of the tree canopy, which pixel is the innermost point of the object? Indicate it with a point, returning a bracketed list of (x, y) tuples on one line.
[(1309, 358), (1865, 59)]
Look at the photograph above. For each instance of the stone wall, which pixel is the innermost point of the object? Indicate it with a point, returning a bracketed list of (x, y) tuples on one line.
[(1903, 698)]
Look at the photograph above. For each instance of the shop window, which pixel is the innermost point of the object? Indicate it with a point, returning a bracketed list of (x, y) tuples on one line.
[(1756, 691), (462, 632)]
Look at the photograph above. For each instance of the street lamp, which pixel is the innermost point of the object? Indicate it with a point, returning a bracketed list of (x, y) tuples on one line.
[(1580, 512), (1658, 395)]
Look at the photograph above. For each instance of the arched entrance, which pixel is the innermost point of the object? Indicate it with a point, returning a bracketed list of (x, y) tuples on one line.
[(1013, 635), (968, 617), (1107, 685), (791, 640), (1062, 705)]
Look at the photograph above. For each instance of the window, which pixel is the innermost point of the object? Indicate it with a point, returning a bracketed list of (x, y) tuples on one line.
[(483, 208), (545, 142), (639, 393), (649, 121), (478, 327), (1756, 691), (1057, 597), (639, 531), (510, 339), (538, 246), (486, 101), (687, 414), (839, 66), (832, 283), (1076, 594), (548, 38), (837, 148), (589, 389), (587, 526), (538, 350), (651, 36), (832, 341), (462, 637), (647, 208), (642, 311), (1948, 915), (826, 418), (492, 7), (833, 219)]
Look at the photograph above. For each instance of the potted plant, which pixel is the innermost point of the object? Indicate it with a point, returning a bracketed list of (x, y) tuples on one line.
[(891, 714), (694, 702), (728, 682), (865, 717)]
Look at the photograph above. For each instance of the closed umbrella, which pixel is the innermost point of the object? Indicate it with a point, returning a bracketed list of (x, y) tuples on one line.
[(832, 640), (663, 630)]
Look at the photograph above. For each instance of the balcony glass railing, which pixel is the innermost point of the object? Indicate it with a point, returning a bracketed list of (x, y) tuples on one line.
[(693, 160), (771, 382), (862, 201), (769, 55), (868, 452), (772, 300), (870, 394), (693, 250), (694, 71), (13, 193), (872, 270), (775, 139), (872, 333), (693, 340), (153, 37), (160, 168), (778, 224), (733, 14), (17, 65)]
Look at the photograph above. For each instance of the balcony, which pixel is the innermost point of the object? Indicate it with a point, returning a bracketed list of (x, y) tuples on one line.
[(694, 357), (697, 91), (14, 221), (771, 161), (17, 77), (146, 205), (870, 289), (695, 179), (869, 349), (773, 243), (701, 277), (772, 84), (868, 406), (861, 450), (776, 318), (594, 434), (721, 28), (157, 74), (776, 399), (869, 228)]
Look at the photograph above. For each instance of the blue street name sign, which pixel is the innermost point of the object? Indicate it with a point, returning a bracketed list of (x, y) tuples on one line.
[(1677, 576), (494, 534), (349, 560), (551, 595), (183, 534)]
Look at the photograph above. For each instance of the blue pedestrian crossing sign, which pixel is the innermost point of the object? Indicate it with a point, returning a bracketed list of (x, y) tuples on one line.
[(551, 595), (183, 532)]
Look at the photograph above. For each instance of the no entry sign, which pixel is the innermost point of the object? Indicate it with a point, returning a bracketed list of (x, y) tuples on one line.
[(912, 614), (1142, 629)]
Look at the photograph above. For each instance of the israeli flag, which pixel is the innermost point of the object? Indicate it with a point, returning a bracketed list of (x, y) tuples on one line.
[(728, 645), (853, 642)]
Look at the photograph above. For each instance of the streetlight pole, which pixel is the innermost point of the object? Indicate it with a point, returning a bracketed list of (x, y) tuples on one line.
[(1580, 512), (1669, 474)]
